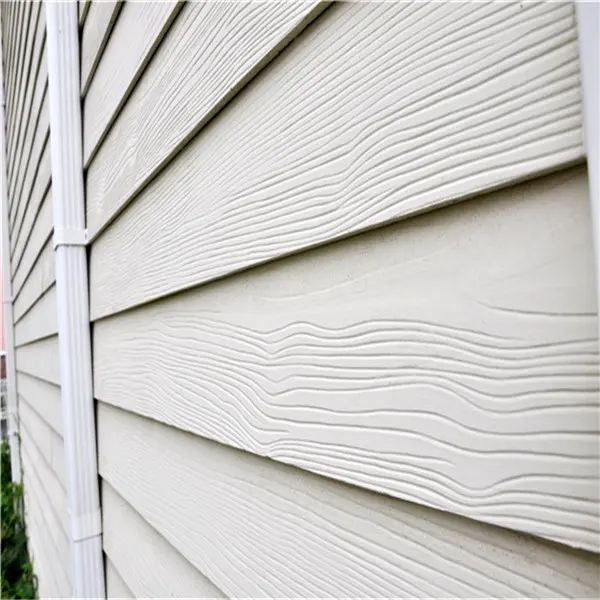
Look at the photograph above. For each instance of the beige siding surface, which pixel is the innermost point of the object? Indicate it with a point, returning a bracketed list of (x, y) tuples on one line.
[(152, 568), (406, 360), (94, 35), (260, 529), (119, 71), (212, 50), (34, 295), (352, 126), (115, 586)]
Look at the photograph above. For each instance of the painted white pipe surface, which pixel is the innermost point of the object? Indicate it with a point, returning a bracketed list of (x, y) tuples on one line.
[(79, 432)]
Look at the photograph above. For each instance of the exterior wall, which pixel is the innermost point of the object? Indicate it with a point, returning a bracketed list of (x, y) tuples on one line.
[(34, 293), (449, 360), (315, 377)]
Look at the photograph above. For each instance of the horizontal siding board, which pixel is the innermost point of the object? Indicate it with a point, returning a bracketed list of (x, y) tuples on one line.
[(40, 544), (34, 106), (49, 443), (38, 466), (26, 256), (43, 397), (40, 322), (39, 280), (36, 176), (261, 529), (28, 77), (403, 360), (40, 359), (35, 125), (119, 71), (151, 566), (51, 504), (115, 586), (96, 30), (212, 50), (468, 98), (84, 8)]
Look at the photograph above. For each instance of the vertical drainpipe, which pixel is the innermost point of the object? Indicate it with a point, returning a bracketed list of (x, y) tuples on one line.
[(588, 25), (62, 40), (7, 301)]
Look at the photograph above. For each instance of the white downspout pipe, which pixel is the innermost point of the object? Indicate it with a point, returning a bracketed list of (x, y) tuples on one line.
[(62, 42), (588, 25), (7, 301)]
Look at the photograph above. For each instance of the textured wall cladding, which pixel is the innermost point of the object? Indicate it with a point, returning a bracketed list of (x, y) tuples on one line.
[(352, 126), (261, 529), (119, 71), (40, 359), (152, 567), (451, 360), (115, 586)]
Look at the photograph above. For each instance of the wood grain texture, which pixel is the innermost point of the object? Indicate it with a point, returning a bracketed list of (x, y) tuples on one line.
[(39, 280), (96, 31), (39, 234), (429, 360), (118, 72), (151, 566), (40, 322), (115, 586), (212, 50), (43, 397), (378, 126), (40, 359), (261, 529)]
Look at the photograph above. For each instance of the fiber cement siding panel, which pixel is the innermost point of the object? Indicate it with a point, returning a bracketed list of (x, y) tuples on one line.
[(40, 322), (115, 586), (212, 51), (375, 112), (450, 360), (40, 359), (40, 278), (118, 71), (260, 529), (43, 398), (153, 568), (96, 31)]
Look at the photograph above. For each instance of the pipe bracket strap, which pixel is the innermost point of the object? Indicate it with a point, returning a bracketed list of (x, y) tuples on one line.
[(86, 526), (70, 237)]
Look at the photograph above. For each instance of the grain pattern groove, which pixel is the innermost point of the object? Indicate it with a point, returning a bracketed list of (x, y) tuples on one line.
[(261, 529), (118, 72), (115, 586), (43, 397), (212, 51), (40, 359), (94, 36), (26, 255), (428, 360), (290, 165), (39, 280), (151, 566)]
